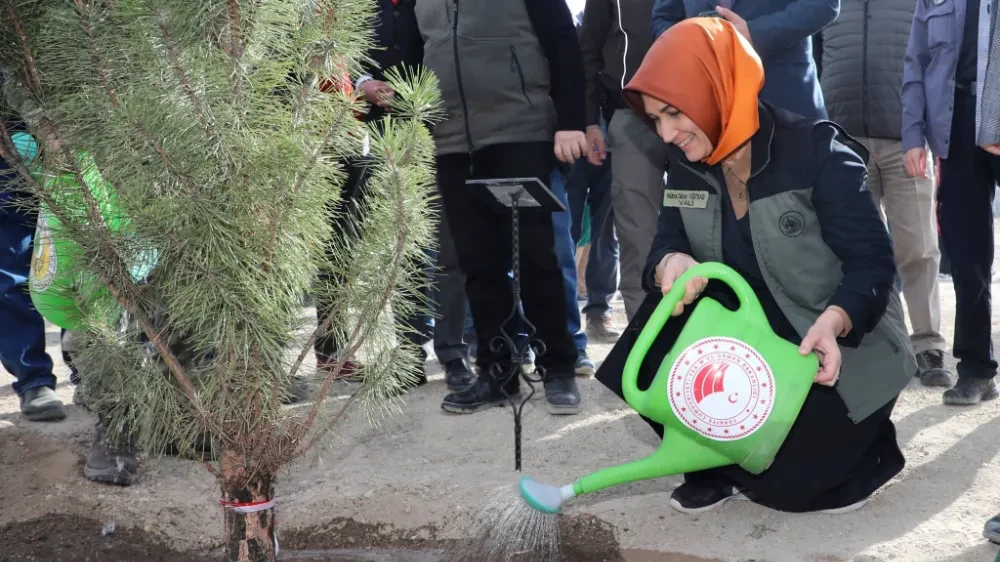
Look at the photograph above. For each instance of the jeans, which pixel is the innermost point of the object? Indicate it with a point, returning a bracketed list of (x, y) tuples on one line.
[(566, 254), (589, 183), (22, 346)]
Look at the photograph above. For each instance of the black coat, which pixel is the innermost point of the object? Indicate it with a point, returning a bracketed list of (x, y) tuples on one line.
[(398, 44)]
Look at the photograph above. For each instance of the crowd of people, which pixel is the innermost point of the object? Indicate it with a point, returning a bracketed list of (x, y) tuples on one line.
[(842, 148)]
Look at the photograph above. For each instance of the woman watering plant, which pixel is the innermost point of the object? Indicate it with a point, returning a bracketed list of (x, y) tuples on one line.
[(782, 200)]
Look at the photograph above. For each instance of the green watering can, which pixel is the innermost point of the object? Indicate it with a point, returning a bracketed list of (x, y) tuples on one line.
[(63, 293), (727, 393)]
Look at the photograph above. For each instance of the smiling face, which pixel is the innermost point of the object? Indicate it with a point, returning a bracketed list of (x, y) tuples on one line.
[(675, 128)]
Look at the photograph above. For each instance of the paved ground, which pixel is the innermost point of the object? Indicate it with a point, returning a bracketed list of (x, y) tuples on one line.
[(426, 468)]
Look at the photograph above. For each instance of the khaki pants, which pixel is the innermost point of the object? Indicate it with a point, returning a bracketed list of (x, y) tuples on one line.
[(908, 205), (639, 159)]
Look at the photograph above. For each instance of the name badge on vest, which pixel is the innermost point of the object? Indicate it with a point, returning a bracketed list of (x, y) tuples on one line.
[(685, 199)]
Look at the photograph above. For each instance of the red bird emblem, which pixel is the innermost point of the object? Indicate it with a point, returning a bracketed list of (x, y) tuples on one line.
[(708, 381)]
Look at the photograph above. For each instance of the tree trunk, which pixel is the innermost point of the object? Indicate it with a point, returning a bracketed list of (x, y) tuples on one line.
[(249, 517)]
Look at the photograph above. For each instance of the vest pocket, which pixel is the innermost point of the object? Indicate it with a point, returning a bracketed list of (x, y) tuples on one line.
[(515, 66)]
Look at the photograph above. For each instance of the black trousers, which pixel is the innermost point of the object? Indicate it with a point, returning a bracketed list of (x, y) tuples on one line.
[(826, 462), (482, 238), (968, 182), (417, 328)]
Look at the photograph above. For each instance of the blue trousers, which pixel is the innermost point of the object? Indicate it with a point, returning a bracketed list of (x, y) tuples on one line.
[(22, 345), (588, 183)]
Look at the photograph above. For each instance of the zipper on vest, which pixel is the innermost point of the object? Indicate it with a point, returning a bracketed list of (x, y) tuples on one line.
[(461, 88), (864, 74), (515, 66)]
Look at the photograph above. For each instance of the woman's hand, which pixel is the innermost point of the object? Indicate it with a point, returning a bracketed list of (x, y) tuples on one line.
[(670, 268), (822, 338)]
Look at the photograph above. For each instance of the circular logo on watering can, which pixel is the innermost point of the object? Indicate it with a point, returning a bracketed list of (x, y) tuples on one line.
[(721, 388), (43, 259)]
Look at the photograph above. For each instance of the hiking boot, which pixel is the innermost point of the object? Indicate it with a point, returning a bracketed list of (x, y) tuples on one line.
[(601, 328), (480, 395), (992, 529), (457, 375), (969, 391), (562, 397), (931, 369), (112, 459), (694, 498), (584, 366), (42, 404)]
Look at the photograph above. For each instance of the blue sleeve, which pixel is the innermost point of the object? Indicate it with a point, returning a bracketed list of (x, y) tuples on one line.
[(553, 24), (852, 228), (665, 14), (670, 237), (799, 20), (912, 93)]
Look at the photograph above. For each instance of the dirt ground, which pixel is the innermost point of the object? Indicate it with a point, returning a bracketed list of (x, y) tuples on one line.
[(415, 482)]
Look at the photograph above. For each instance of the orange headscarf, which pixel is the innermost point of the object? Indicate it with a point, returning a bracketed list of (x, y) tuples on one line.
[(710, 73)]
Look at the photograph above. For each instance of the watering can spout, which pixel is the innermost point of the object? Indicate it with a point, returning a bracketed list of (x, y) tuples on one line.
[(676, 455)]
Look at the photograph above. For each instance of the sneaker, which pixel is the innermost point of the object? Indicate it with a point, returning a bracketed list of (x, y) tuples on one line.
[(584, 366), (529, 358), (299, 391), (562, 397), (931, 370), (992, 529), (969, 391), (42, 404), (480, 395), (846, 509), (457, 375), (112, 459), (601, 328), (694, 498)]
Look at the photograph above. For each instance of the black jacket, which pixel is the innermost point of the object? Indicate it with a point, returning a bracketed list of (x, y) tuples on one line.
[(614, 39), (398, 44)]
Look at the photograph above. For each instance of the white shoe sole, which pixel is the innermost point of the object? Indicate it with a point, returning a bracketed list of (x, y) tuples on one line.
[(846, 509), (696, 510)]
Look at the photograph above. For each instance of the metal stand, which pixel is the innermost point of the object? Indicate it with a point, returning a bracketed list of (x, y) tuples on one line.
[(515, 348)]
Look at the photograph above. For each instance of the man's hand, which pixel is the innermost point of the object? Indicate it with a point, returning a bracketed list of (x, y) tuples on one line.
[(992, 149), (597, 152), (739, 23), (822, 339), (570, 146), (915, 162), (378, 93)]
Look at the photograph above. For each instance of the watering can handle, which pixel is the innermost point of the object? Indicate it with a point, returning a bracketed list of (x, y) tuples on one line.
[(750, 309)]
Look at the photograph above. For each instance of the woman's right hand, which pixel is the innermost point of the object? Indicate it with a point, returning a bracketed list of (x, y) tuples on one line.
[(670, 268)]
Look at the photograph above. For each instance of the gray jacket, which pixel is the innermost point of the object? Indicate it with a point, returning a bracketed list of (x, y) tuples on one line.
[(494, 76), (989, 81), (863, 52)]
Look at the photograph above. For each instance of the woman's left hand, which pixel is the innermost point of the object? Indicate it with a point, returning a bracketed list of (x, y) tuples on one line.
[(822, 339)]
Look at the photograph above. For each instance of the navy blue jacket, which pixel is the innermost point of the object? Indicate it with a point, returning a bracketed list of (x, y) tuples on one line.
[(781, 32)]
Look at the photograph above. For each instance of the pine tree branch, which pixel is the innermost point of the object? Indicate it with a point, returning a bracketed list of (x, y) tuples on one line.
[(236, 49), (33, 82), (107, 83), (182, 75), (402, 236)]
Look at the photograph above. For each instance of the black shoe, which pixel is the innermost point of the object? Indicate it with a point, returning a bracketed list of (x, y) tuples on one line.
[(42, 404), (584, 365), (112, 459), (992, 529), (931, 370), (457, 375), (203, 449), (480, 395), (969, 391), (695, 498), (562, 397)]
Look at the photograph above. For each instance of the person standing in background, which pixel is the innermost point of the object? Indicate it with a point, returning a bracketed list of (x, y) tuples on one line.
[(873, 66), (780, 31), (941, 79), (22, 345), (614, 39), (509, 113)]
